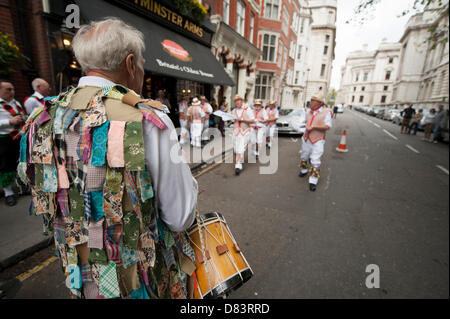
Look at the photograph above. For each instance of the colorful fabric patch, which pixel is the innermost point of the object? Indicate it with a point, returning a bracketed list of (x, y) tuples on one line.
[(96, 234), (39, 176), (131, 227), (85, 142), (146, 251), (115, 148), (96, 114), (22, 172), (114, 180), (63, 178), (86, 273), (97, 256), (62, 254), (140, 293), (129, 257), (87, 206), (109, 285), (150, 115), (59, 148), (41, 149), (41, 201), (145, 185), (76, 232), (134, 147), (130, 183), (74, 277), (76, 201), (112, 239), (23, 148), (50, 179), (99, 144), (112, 206), (95, 178), (62, 197), (80, 175), (97, 205)]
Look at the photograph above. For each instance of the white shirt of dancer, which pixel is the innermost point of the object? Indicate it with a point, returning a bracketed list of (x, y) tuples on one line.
[(173, 182)]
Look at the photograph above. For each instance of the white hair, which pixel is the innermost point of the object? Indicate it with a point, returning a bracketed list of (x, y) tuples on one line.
[(36, 83), (104, 44)]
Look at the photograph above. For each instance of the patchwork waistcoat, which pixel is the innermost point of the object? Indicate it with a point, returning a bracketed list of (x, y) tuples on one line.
[(315, 136), (82, 154)]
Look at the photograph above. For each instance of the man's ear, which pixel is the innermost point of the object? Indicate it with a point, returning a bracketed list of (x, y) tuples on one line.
[(130, 62)]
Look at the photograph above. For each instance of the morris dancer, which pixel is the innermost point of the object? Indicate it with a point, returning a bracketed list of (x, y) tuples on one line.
[(184, 119), (41, 90), (273, 114), (196, 115), (12, 117), (259, 128), (318, 121), (207, 109), (244, 117), (98, 157)]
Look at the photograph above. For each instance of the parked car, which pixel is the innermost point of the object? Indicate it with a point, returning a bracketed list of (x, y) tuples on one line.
[(291, 121), (397, 118), (387, 115), (370, 111), (340, 108), (377, 110)]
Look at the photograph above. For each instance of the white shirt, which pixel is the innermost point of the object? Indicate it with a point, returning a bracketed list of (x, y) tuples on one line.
[(208, 108), (264, 115), (200, 111), (32, 103), (175, 187), (250, 113), (328, 119), (5, 116)]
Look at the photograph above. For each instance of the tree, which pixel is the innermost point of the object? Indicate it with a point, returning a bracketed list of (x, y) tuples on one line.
[(438, 33), (332, 97)]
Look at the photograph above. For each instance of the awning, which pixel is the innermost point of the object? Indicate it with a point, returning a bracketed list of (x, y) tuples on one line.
[(167, 52)]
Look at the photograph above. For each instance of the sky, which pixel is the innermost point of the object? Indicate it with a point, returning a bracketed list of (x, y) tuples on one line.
[(384, 22)]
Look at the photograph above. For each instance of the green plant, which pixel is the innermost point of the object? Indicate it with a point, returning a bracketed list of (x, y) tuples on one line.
[(191, 8), (10, 55)]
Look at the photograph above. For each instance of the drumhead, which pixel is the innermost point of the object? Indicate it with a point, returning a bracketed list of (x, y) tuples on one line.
[(229, 285)]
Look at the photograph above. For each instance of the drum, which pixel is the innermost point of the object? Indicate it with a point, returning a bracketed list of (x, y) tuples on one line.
[(222, 268)]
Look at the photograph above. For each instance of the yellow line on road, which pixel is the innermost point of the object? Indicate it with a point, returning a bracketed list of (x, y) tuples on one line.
[(213, 166), (36, 269)]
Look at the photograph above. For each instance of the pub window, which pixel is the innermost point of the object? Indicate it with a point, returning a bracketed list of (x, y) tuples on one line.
[(226, 11), (269, 47), (240, 18), (252, 27), (271, 9)]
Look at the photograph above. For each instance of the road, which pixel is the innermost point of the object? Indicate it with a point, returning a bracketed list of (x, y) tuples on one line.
[(385, 202)]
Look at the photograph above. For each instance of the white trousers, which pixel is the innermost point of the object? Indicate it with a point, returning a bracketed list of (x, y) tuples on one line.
[(184, 130), (313, 153), (205, 136), (257, 136), (240, 143), (196, 134), (271, 131)]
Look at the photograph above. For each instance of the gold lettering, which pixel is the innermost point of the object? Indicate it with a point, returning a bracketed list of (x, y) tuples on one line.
[(157, 8), (200, 32), (145, 4), (163, 12), (180, 21)]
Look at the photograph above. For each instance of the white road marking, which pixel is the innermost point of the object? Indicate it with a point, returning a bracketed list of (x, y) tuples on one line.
[(376, 125), (412, 149), (394, 137), (442, 169)]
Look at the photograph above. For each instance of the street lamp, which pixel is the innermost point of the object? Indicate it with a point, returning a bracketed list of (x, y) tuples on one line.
[(306, 87)]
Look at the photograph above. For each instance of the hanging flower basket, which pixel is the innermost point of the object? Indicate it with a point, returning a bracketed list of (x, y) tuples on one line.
[(10, 56), (190, 8)]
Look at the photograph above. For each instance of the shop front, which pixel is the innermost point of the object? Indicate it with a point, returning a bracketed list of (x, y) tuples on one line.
[(178, 57)]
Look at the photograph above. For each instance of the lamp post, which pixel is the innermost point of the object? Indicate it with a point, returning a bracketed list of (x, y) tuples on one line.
[(306, 87)]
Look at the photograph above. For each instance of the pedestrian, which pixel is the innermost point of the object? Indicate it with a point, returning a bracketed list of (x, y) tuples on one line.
[(163, 99), (244, 117), (12, 118), (318, 122), (428, 123), (258, 131), (407, 114), (224, 108), (273, 114), (184, 120), (415, 122), (98, 187), (335, 111), (439, 123), (41, 90), (207, 109), (196, 115)]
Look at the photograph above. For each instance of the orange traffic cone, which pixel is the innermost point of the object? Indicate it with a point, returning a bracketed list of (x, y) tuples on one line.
[(343, 146)]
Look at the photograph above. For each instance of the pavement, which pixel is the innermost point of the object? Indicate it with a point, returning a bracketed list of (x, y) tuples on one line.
[(21, 234)]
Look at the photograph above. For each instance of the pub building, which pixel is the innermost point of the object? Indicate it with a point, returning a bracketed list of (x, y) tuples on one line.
[(178, 57)]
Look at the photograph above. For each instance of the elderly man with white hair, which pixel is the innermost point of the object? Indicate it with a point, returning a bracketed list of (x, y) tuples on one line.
[(41, 90), (106, 167)]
